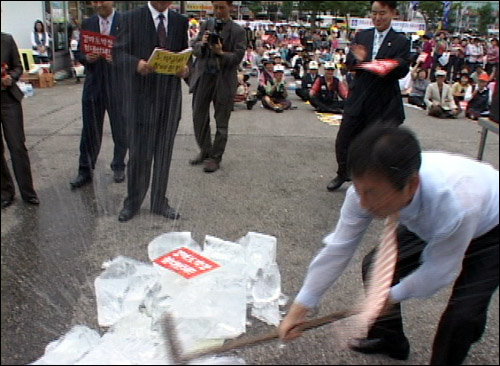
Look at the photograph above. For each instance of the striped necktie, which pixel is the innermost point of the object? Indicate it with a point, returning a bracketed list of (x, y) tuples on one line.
[(377, 43), (382, 274), (162, 32), (105, 27)]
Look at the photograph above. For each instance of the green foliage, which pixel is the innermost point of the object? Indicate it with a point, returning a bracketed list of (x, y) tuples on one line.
[(486, 18), (433, 12)]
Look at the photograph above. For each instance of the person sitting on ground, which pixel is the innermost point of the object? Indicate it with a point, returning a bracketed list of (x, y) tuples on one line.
[(479, 99), (308, 81), (439, 99), (477, 73), (327, 92), (419, 86), (460, 88), (276, 92), (266, 76)]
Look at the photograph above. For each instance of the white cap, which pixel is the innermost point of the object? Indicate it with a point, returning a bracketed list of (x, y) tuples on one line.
[(299, 49), (313, 65), (440, 73), (279, 68), (329, 65)]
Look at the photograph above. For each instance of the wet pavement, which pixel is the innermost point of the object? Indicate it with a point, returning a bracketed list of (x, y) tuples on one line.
[(273, 180)]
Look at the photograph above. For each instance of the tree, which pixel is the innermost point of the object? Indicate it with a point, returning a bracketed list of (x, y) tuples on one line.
[(432, 12), (486, 18)]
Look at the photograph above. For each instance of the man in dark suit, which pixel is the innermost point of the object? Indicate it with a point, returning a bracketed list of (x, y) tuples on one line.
[(101, 93), (153, 102), (13, 128), (371, 97), (215, 80)]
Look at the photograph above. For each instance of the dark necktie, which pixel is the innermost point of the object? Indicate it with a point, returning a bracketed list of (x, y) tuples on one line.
[(162, 33)]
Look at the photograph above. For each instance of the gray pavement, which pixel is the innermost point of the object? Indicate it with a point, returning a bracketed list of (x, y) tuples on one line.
[(273, 180)]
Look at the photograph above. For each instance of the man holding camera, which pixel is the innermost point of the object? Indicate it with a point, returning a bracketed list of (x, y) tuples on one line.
[(219, 49)]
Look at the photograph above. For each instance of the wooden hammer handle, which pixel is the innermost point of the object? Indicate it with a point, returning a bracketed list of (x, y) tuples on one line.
[(250, 341)]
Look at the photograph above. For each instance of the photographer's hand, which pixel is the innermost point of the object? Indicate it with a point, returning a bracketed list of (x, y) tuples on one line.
[(217, 49), (204, 39)]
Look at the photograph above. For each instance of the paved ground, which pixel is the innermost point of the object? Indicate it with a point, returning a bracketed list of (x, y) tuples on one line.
[(273, 180)]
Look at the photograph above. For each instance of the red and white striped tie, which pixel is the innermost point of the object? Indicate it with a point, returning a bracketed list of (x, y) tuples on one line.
[(381, 276)]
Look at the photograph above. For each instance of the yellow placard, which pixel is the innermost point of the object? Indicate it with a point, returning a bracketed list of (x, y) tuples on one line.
[(169, 63)]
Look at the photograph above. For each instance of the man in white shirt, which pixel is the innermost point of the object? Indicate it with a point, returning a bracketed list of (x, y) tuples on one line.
[(448, 213)]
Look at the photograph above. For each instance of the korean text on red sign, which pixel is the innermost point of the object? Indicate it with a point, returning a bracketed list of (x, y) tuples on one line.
[(97, 43), (186, 263)]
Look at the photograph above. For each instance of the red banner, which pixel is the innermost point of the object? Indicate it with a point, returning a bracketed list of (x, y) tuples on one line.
[(97, 43), (380, 67), (186, 263)]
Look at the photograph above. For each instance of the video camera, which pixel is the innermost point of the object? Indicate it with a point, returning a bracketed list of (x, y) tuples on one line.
[(216, 36)]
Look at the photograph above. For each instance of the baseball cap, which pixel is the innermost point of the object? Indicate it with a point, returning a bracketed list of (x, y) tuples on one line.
[(484, 77), (313, 65), (440, 73), (266, 61), (279, 68), (329, 65)]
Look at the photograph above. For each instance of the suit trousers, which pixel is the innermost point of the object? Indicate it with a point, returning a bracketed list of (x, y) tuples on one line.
[(152, 134), (349, 129), (94, 107), (464, 320), (204, 94), (13, 131)]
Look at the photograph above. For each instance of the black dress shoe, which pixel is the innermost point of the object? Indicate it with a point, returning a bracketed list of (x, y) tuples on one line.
[(126, 214), (336, 183), (211, 166), (81, 180), (119, 176), (32, 201), (168, 212), (398, 351), (6, 202), (198, 160)]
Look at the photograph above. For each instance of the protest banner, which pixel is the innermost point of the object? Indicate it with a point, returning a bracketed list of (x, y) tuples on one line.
[(167, 62), (97, 43)]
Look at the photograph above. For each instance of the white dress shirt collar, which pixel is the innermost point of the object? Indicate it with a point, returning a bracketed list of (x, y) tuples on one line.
[(110, 19), (155, 13), (411, 211)]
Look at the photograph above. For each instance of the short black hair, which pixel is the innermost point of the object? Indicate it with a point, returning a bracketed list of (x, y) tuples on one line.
[(392, 152), (390, 4)]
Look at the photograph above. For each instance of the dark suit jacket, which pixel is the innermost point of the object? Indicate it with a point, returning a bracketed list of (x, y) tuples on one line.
[(10, 56), (379, 97), (234, 46), (137, 39), (101, 73)]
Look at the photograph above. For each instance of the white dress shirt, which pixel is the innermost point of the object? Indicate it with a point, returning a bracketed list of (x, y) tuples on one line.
[(155, 13), (456, 202)]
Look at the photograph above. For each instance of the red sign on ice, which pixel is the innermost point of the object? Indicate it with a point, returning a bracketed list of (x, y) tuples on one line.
[(186, 262), (97, 43)]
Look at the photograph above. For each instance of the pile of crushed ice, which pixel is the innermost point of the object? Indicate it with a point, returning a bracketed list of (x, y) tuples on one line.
[(133, 296)]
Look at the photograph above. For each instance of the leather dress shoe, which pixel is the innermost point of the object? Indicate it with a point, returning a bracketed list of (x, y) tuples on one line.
[(398, 351), (168, 212), (81, 180), (211, 165), (336, 183), (6, 202), (119, 176), (32, 201), (198, 160), (126, 214)]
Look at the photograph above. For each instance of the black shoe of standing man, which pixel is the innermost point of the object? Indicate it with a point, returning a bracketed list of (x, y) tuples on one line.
[(398, 351), (336, 183), (119, 176), (198, 160), (81, 180), (168, 212), (126, 214), (6, 202)]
